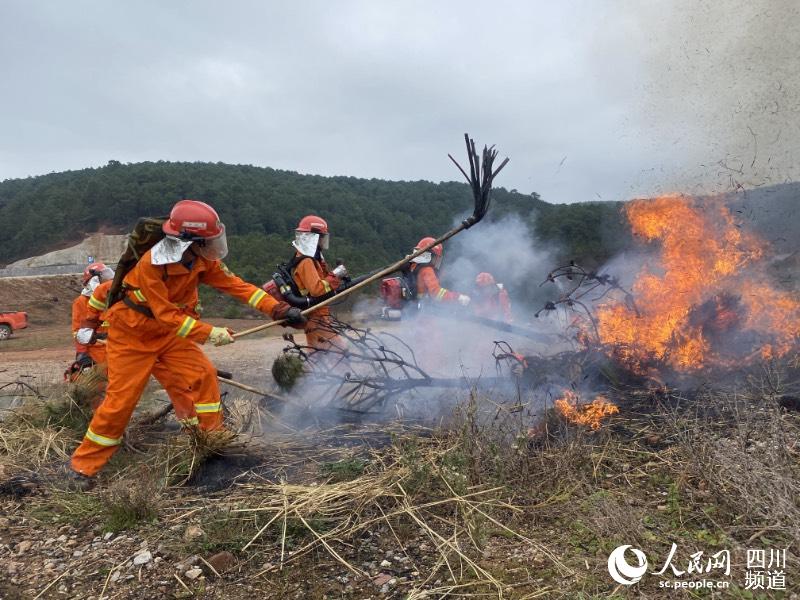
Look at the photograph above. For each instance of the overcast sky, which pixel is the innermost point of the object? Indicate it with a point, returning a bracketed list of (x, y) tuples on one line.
[(591, 100)]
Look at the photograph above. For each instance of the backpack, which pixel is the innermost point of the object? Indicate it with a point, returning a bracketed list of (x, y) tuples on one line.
[(397, 291), (282, 287), (146, 233)]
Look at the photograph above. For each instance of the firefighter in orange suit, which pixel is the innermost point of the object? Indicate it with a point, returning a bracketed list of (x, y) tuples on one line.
[(93, 275), (491, 299), (425, 270), (95, 327), (313, 278), (153, 323)]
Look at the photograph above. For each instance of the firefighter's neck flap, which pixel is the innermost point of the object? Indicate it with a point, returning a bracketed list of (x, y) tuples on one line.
[(90, 286), (306, 242), (168, 251), (423, 259)]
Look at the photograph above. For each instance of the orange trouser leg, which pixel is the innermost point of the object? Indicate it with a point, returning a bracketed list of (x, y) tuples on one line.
[(318, 333), (129, 365), (180, 393), (189, 367)]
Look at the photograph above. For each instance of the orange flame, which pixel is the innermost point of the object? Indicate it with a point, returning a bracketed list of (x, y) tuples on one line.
[(591, 414), (702, 284)]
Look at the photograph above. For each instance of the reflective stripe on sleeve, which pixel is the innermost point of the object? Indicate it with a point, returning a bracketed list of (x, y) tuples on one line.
[(211, 407), (96, 304), (256, 297), (186, 326), (139, 295), (326, 284), (101, 439), (441, 294)]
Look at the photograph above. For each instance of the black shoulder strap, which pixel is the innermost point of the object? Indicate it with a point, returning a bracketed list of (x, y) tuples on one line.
[(409, 278), (294, 261)]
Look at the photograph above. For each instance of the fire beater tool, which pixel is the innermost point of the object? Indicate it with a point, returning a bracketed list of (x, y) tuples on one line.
[(481, 175)]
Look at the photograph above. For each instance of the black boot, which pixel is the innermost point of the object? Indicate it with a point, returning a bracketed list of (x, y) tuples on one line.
[(67, 479)]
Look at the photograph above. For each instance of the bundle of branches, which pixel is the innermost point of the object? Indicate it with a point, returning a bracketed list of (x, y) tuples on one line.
[(361, 370)]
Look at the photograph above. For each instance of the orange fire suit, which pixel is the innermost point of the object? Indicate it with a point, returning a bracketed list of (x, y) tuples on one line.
[(314, 279), (492, 303), (180, 393), (428, 285), (79, 306), (156, 324)]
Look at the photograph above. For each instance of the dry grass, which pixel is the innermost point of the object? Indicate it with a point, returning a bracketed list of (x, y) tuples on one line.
[(747, 456), (506, 510), (27, 446), (403, 489)]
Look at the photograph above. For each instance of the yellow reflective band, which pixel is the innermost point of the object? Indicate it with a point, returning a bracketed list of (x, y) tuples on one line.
[(139, 295), (304, 292), (105, 324), (441, 294), (208, 408), (326, 285), (96, 304), (189, 421), (186, 326), (256, 297), (101, 439)]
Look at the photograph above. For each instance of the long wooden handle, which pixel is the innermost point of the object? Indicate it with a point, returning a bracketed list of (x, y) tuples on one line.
[(253, 390), (382, 273)]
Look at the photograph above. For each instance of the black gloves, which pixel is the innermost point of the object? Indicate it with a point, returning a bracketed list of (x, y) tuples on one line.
[(292, 314), (295, 316)]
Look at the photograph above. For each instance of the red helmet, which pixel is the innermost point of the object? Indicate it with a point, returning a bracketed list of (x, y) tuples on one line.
[(484, 280), (93, 270), (193, 219), (312, 224), (427, 241)]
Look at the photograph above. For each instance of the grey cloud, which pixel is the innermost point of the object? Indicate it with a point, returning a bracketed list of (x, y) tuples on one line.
[(379, 89)]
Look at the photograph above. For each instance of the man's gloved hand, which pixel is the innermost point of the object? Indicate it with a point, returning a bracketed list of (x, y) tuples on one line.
[(83, 359), (295, 316), (220, 336), (340, 271), (463, 300), (86, 336), (292, 314)]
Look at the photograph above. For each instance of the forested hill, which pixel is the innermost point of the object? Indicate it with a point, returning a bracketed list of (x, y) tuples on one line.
[(372, 220)]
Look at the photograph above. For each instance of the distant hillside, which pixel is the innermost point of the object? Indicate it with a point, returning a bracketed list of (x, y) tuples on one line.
[(373, 221)]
